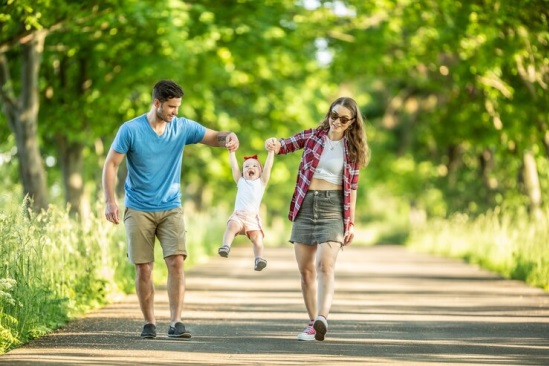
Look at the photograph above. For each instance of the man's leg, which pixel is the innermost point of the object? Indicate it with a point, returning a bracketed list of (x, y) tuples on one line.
[(176, 286), (144, 288)]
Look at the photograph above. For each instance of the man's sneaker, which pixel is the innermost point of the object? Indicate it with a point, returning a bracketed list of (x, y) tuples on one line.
[(178, 331), (149, 331), (321, 327), (308, 334)]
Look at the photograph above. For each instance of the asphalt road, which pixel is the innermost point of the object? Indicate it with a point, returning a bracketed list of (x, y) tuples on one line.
[(391, 307)]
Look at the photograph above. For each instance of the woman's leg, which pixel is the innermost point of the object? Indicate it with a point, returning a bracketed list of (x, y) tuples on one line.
[(305, 257), (325, 266)]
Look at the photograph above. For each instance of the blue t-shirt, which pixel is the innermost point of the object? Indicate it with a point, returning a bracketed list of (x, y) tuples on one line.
[(154, 162)]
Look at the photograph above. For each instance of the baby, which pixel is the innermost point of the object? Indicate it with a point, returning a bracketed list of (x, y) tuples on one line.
[(250, 182)]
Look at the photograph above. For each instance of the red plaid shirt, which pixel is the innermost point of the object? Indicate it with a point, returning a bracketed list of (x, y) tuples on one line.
[(312, 142)]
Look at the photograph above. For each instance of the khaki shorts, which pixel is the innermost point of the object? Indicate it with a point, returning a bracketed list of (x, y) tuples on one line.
[(143, 227), (248, 221)]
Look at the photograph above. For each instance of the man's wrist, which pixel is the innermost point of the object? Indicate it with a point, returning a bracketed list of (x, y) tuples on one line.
[(222, 138)]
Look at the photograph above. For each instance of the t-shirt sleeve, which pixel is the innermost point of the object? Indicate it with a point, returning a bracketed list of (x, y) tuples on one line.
[(196, 132), (121, 141)]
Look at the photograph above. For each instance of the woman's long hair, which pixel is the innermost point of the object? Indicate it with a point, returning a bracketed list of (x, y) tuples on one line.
[(359, 151)]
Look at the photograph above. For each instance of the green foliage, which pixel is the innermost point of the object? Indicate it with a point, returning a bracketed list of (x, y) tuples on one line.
[(455, 87), (54, 268), (510, 243), (454, 93), (458, 86)]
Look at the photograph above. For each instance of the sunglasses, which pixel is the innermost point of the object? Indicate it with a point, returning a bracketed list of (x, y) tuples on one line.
[(343, 120)]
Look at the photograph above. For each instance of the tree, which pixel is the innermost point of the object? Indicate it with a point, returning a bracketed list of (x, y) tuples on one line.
[(24, 31)]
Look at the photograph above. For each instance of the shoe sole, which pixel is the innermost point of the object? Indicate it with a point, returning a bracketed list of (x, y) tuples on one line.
[(260, 266), (320, 329), (305, 339), (223, 252), (148, 336), (184, 335)]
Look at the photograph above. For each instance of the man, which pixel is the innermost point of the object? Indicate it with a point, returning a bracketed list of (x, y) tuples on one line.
[(154, 144)]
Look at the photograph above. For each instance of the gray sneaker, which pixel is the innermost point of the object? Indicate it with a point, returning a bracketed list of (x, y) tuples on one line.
[(178, 331), (224, 251), (260, 263), (149, 331)]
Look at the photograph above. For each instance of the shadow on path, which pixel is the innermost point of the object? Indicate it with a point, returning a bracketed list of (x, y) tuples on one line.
[(391, 307)]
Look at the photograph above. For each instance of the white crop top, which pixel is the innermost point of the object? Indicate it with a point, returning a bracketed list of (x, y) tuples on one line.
[(330, 165)]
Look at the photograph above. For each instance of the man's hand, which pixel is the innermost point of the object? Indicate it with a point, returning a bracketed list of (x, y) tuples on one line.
[(231, 141), (112, 213)]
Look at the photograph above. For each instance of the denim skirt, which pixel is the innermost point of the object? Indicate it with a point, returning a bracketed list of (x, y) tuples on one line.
[(320, 218)]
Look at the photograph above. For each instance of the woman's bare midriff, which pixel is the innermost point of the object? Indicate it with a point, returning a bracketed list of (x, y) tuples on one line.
[(322, 185)]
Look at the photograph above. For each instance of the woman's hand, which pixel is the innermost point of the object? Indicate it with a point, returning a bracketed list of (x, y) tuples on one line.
[(272, 144), (350, 234)]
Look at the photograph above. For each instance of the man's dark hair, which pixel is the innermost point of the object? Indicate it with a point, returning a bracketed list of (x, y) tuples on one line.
[(166, 89)]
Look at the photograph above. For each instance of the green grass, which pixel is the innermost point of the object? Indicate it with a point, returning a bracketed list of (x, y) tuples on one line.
[(509, 242), (54, 268)]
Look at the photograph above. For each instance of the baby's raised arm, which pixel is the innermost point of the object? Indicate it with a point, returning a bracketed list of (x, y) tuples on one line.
[(237, 173), (270, 145)]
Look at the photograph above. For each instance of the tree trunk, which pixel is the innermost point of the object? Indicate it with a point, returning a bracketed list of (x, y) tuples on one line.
[(486, 166), (71, 161), (455, 154), (531, 182), (22, 117)]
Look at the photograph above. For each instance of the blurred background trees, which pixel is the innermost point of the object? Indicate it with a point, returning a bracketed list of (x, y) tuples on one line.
[(454, 92)]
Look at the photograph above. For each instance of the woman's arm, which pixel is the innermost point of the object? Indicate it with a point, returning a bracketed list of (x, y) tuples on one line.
[(351, 231)]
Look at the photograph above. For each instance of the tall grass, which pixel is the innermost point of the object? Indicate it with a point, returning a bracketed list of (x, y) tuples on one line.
[(54, 268), (509, 242)]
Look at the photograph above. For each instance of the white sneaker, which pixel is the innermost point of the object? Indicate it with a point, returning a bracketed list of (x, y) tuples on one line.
[(321, 327), (308, 334)]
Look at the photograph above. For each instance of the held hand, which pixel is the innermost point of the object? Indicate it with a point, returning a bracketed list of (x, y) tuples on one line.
[(271, 144), (232, 142), (112, 213)]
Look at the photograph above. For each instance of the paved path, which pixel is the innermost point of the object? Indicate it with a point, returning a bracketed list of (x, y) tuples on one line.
[(391, 307)]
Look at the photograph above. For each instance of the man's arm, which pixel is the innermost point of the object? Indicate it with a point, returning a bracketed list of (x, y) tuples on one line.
[(220, 139), (113, 161)]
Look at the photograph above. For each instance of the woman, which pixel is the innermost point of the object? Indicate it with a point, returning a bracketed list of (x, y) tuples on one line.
[(323, 204)]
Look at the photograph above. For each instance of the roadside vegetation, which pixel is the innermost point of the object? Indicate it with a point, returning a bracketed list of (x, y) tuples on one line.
[(55, 268), (509, 242), (454, 94)]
